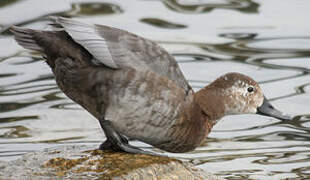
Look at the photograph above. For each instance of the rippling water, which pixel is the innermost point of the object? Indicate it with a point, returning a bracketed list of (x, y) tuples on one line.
[(268, 40)]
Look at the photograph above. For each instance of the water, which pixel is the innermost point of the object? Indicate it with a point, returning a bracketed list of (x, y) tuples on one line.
[(268, 40)]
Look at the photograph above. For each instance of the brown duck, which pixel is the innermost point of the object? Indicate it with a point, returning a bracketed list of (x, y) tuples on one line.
[(136, 89)]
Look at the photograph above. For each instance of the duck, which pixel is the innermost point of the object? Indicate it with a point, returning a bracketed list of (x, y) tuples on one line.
[(136, 89)]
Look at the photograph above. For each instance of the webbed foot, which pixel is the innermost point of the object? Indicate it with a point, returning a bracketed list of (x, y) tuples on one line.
[(118, 142)]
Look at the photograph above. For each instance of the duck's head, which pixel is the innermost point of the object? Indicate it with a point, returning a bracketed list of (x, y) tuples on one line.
[(240, 94)]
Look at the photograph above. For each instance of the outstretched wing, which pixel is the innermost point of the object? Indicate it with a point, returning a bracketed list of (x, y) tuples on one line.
[(117, 49)]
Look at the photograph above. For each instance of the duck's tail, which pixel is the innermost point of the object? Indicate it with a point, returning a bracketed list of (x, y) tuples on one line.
[(26, 38), (53, 44)]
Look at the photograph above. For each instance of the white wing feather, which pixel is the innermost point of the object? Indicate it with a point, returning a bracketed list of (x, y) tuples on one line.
[(86, 35), (117, 49)]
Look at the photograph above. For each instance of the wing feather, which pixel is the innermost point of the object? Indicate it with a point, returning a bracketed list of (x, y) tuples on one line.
[(117, 48), (86, 35)]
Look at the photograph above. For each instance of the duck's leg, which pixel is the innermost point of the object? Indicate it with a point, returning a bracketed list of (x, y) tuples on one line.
[(117, 142), (108, 145)]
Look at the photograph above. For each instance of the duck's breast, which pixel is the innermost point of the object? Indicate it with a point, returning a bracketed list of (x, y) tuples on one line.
[(144, 105)]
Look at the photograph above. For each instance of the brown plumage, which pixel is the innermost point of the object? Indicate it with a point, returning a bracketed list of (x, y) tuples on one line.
[(136, 85)]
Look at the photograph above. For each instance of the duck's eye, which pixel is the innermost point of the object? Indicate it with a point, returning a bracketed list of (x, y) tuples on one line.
[(250, 89)]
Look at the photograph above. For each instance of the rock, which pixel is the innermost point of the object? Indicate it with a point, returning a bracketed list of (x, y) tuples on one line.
[(82, 162)]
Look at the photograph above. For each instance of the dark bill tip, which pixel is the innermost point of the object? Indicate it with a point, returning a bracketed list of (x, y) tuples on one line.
[(267, 109)]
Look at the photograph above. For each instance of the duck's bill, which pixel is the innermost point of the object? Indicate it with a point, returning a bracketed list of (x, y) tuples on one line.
[(267, 109)]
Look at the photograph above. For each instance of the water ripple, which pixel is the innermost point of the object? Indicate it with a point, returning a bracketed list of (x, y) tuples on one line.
[(35, 114), (197, 7), (162, 23), (94, 8)]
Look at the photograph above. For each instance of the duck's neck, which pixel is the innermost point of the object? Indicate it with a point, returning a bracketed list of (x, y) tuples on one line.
[(211, 103), (192, 126)]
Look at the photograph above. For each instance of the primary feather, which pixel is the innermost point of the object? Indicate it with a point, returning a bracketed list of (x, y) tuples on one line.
[(117, 48)]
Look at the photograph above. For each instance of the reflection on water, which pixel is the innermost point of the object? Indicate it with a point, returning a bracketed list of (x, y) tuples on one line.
[(7, 2), (17, 118), (34, 114), (198, 6), (91, 9), (15, 132), (162, 24)]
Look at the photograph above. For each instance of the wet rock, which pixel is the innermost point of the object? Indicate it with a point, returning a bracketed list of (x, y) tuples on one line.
[(84, 162)]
